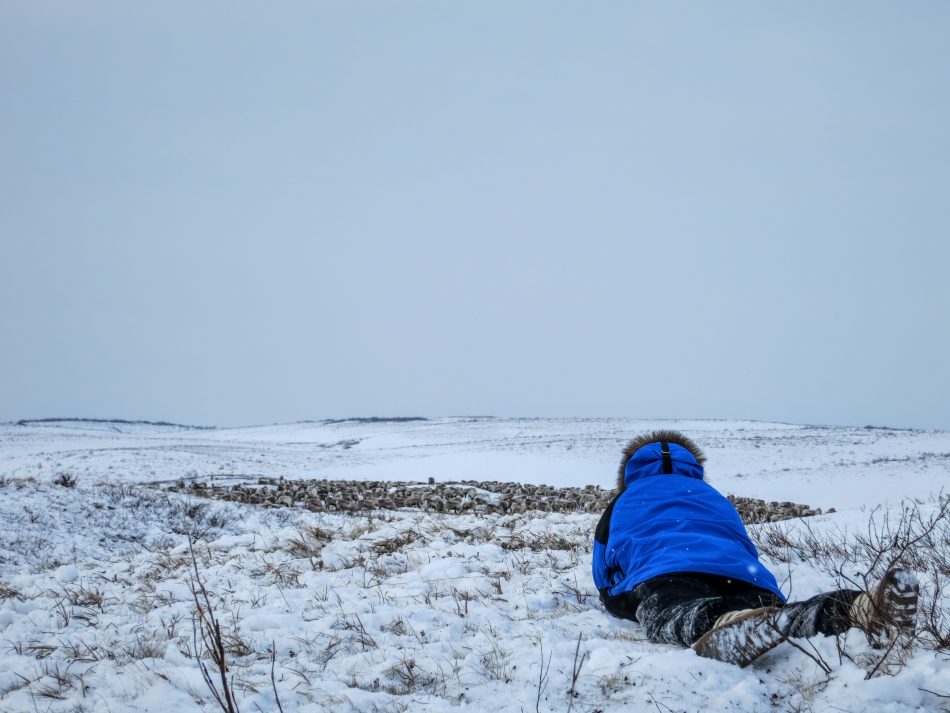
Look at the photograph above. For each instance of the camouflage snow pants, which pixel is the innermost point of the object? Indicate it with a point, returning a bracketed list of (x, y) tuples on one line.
[(679, 608)]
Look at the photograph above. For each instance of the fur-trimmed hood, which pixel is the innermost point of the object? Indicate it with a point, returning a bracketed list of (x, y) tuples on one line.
[(661, 436)]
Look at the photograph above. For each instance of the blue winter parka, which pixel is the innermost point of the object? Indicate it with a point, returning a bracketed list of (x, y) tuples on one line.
[(669, 520)]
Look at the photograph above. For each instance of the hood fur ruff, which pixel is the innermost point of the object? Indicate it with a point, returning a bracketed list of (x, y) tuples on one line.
[(655, 437)]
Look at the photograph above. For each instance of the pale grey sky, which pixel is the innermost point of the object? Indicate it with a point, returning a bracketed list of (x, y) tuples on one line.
[(228, 213)]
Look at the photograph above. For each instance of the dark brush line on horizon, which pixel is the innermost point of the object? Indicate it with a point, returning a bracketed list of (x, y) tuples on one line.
[(126, 422)]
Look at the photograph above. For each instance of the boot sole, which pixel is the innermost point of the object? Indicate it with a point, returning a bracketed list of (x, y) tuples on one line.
[(897, 601), (742, 641)]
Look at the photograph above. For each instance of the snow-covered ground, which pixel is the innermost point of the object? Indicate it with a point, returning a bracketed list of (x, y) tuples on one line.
[(407, 610), (825, 467)]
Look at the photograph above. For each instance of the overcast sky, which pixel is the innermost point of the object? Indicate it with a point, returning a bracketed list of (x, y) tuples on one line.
[(226, 213)]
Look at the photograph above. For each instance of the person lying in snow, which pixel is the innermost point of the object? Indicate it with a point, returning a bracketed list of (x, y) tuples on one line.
[(672, 553)]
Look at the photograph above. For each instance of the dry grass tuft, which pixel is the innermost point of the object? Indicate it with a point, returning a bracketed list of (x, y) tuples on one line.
[(390, 545), (283, 575), (537, 541), (8, 593), (309, 544), (66, 480), (410, 677)]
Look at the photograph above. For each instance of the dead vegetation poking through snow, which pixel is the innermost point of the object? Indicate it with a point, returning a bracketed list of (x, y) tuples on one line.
[(388, 610), (915, 537), (208, 641)]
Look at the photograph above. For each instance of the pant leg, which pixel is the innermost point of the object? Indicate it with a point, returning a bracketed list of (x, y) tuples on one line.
[(827, 613), (678, 609)]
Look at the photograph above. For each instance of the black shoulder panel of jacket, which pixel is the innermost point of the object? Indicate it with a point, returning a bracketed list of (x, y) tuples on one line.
[(603, 527)]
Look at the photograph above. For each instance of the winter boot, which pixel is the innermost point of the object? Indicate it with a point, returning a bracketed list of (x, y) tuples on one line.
[(890, 610), (740, 637)]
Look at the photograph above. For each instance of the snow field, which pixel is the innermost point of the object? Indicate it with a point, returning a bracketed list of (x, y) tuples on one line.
[(396, 611), (405, 610)]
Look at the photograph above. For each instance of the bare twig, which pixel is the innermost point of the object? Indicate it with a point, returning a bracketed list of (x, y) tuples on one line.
[(870, 674), (542, 677), (205, 624), (273, 682), (658, 704), (575, 673), (816, 657)]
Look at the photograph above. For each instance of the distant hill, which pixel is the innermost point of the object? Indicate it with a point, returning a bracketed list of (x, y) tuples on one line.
[(28, 421)]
